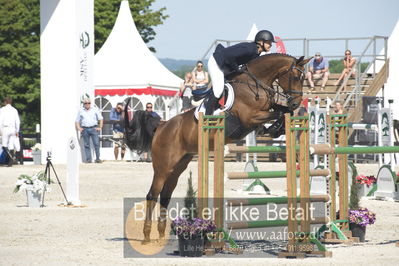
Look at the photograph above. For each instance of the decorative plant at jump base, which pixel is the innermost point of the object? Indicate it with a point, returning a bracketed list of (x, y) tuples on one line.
[(192, 231), (35, 183), (190, 200), (359, 217), (192, 234), (366, 180), (362, 217), (36, 147), (34, 186), (193, 228), (37, 154)]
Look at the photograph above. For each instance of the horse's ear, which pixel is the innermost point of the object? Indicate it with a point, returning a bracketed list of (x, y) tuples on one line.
[(301, 61)]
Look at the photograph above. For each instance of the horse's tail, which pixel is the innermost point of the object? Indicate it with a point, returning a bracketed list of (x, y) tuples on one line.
[(140, 130)]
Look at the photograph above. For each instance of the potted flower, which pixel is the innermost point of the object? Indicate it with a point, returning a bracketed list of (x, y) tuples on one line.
[(191, 234), (37, 153), (34, 186), (358, 217), (366, 184), (192, 231), (358, 220)]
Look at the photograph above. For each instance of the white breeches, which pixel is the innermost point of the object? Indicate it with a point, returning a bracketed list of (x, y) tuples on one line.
[(217, 77), (8, 137)]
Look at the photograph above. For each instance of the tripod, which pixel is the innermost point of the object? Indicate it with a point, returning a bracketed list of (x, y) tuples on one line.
[(47, 171)]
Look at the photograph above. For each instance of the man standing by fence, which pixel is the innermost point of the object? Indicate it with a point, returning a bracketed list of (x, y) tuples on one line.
[(116, 117), (9, 126), (89, 123)]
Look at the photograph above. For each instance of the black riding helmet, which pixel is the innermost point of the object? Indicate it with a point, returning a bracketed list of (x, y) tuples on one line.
[(264, 35)]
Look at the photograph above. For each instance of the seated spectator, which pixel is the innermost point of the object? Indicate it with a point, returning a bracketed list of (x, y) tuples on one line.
[(338, 108), (318, 69), (200, 76), (186, 89), (349, 63)]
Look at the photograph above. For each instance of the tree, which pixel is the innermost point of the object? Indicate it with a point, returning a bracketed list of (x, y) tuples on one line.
[(106, 11), (20, 46), (20, 57)]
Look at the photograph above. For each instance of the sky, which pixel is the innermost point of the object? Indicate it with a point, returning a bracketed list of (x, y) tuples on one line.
[(193, 26)]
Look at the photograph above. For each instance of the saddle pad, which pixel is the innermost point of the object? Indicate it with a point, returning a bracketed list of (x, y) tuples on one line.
[(228, 104)]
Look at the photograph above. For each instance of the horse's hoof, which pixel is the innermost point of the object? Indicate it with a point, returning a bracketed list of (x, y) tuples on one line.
[(161, 240), (146, 241), (161, 228)]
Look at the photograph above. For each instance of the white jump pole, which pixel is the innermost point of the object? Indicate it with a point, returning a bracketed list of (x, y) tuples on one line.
[(73, 172), (380, 156)]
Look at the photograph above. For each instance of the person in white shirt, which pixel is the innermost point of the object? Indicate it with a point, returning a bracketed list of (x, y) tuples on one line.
[(9, 127), (200, 76), (89, 122)]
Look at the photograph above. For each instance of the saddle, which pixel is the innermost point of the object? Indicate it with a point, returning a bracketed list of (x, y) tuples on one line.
[(200, 94)]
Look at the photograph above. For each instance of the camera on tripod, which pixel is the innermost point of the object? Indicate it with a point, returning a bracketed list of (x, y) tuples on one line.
[(49, 167)]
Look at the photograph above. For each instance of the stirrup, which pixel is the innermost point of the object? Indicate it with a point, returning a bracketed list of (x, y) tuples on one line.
[(211, 104)]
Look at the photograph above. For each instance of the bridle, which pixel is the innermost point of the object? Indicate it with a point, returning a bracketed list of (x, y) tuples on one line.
[(289, 96), (273, 91)]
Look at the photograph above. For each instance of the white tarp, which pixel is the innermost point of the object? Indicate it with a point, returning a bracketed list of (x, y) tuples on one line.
[(392, 85)]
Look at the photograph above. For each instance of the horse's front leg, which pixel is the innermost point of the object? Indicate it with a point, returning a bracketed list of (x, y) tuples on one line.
[(277, 128), (262, 117)]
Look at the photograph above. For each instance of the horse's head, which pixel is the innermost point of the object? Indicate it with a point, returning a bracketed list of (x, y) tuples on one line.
[(291, 81)]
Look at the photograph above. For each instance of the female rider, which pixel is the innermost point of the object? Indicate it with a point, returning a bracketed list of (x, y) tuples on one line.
[(226, 60)]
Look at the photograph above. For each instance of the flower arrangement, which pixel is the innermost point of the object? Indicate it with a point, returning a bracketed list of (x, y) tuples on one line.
[(35, 183), (192, 228), (36, 147), (368, 180), (362, 217)]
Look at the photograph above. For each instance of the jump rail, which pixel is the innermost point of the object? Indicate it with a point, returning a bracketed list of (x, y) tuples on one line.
[(273, 174)]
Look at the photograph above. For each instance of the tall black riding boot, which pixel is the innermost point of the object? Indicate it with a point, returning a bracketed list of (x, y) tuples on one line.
[(211, 104), (10, 158)]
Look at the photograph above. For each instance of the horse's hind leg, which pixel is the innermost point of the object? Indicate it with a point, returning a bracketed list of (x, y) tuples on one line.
[(165, 183), (168, 189), (151, 199)]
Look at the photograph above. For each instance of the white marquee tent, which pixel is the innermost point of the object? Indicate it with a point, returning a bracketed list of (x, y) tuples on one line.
[(125, 66)]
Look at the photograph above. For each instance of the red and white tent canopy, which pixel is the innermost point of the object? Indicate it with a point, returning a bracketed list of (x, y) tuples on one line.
[(125, 66)]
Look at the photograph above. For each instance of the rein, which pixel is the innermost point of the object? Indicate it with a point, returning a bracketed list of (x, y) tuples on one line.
[(269, 90)]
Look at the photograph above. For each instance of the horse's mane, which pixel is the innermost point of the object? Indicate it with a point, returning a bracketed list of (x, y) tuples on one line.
[(272, 55), (265, 59), (140, 130)]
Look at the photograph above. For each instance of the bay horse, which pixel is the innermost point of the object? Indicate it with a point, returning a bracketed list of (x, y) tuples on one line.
[(175, 141)]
